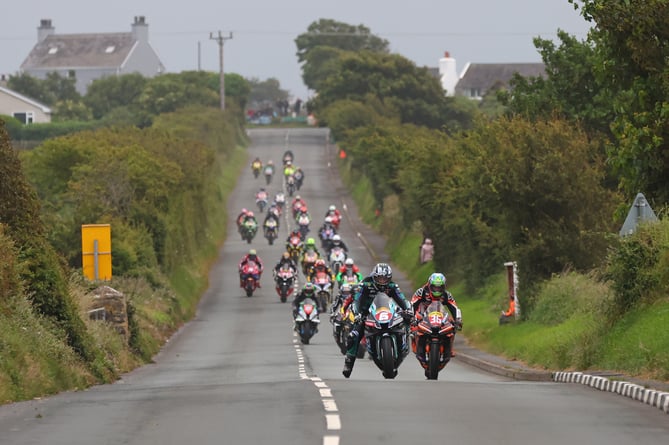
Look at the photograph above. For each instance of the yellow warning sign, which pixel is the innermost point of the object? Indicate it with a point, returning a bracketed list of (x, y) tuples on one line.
[(96, 251)]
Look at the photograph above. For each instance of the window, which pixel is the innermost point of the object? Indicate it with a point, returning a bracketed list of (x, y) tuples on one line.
[(53, 50), (110, 49), (27, 117)]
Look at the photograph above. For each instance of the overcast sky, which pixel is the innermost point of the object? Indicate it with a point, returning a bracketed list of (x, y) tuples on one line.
[(264, 31)]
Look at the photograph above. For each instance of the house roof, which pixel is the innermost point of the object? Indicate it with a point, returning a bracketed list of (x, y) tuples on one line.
[(81, 51), (484, 76), (25, 99)]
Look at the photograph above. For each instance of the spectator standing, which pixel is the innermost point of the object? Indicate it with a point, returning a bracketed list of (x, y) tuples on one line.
[(426, 251)]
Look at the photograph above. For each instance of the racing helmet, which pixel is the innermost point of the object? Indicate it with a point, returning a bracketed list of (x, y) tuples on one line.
[(348, 262), (336, 238), (309, 289), (319, 262), (381, 275), (311, 242), (437, 283)]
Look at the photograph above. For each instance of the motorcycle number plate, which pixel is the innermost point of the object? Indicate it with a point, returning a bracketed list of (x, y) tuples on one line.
[(435, 317), (383, 315)]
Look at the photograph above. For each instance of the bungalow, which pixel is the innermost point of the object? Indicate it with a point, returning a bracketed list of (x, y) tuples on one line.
[(23, 108)]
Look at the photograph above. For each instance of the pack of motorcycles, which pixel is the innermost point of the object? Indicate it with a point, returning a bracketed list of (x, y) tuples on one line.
[(387, 338)]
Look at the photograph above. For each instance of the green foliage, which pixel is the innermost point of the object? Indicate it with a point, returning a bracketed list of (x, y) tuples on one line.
[(31, 87), (637, 267), (108, 93), (69, 110), (529, 191), (19, 207), (320, 63), (395, 81), (570, 89), (43, 131), (55, 90), (331, 33), (12, 125), (345, 116), (578, 293), (265, 93), (10, 280), (169, 92), (237, 89), (639, 342)]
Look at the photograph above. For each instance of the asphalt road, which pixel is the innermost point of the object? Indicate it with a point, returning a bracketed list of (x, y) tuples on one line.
[(237, 374)]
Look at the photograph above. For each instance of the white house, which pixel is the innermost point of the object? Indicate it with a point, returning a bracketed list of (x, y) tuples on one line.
[(477, 79), (91, 56)]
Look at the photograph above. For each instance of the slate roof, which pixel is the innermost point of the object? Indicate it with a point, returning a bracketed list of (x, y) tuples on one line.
[(81, 51), (486, 75)]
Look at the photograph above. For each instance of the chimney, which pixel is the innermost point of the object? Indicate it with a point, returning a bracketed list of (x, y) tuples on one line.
[(448, 74), (45, 30), (140, 29)]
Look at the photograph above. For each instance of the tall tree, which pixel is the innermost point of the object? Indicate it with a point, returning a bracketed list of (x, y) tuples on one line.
[(397, 82), (329, 32), (632, 39), (570, 89), (107, 93)]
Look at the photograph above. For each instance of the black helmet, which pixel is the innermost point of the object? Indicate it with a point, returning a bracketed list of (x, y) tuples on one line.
[(381, 275)]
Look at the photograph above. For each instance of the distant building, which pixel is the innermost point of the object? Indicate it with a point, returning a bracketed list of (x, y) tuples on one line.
[(477, 79), (23, 108), (87, 57)]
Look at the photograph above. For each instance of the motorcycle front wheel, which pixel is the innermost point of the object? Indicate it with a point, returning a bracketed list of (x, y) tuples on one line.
[(388, 357), (305, 333), (433, 361)]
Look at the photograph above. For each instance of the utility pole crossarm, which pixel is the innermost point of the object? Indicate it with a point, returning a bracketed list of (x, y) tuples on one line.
[(220, 39)]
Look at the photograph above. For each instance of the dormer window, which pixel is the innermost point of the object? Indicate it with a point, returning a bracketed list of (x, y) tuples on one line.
[(53, 50), (110, 49)]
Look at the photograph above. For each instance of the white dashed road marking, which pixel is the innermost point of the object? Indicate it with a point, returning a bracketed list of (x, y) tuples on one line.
[(332, 419)]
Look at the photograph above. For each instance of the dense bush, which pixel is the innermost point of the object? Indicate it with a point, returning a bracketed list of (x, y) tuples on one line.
[(638, 267)]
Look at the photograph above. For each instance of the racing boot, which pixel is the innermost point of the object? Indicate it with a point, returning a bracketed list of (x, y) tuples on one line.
[(348, 365)]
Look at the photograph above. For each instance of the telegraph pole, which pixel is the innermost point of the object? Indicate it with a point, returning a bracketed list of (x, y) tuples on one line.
[(220, 39)]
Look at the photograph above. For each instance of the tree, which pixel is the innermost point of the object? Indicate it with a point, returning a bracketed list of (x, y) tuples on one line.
[(170, 92), (31, 87), (238, 89), (570, 89), (63, 88), (632, 42), (320, 63), (265, 93), (329, 32), (54, 88), (107, 93), (394, 80)]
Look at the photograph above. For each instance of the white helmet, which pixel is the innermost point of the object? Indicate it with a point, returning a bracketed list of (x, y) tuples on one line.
[(336, 238), (349, 261), (332, 208)]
